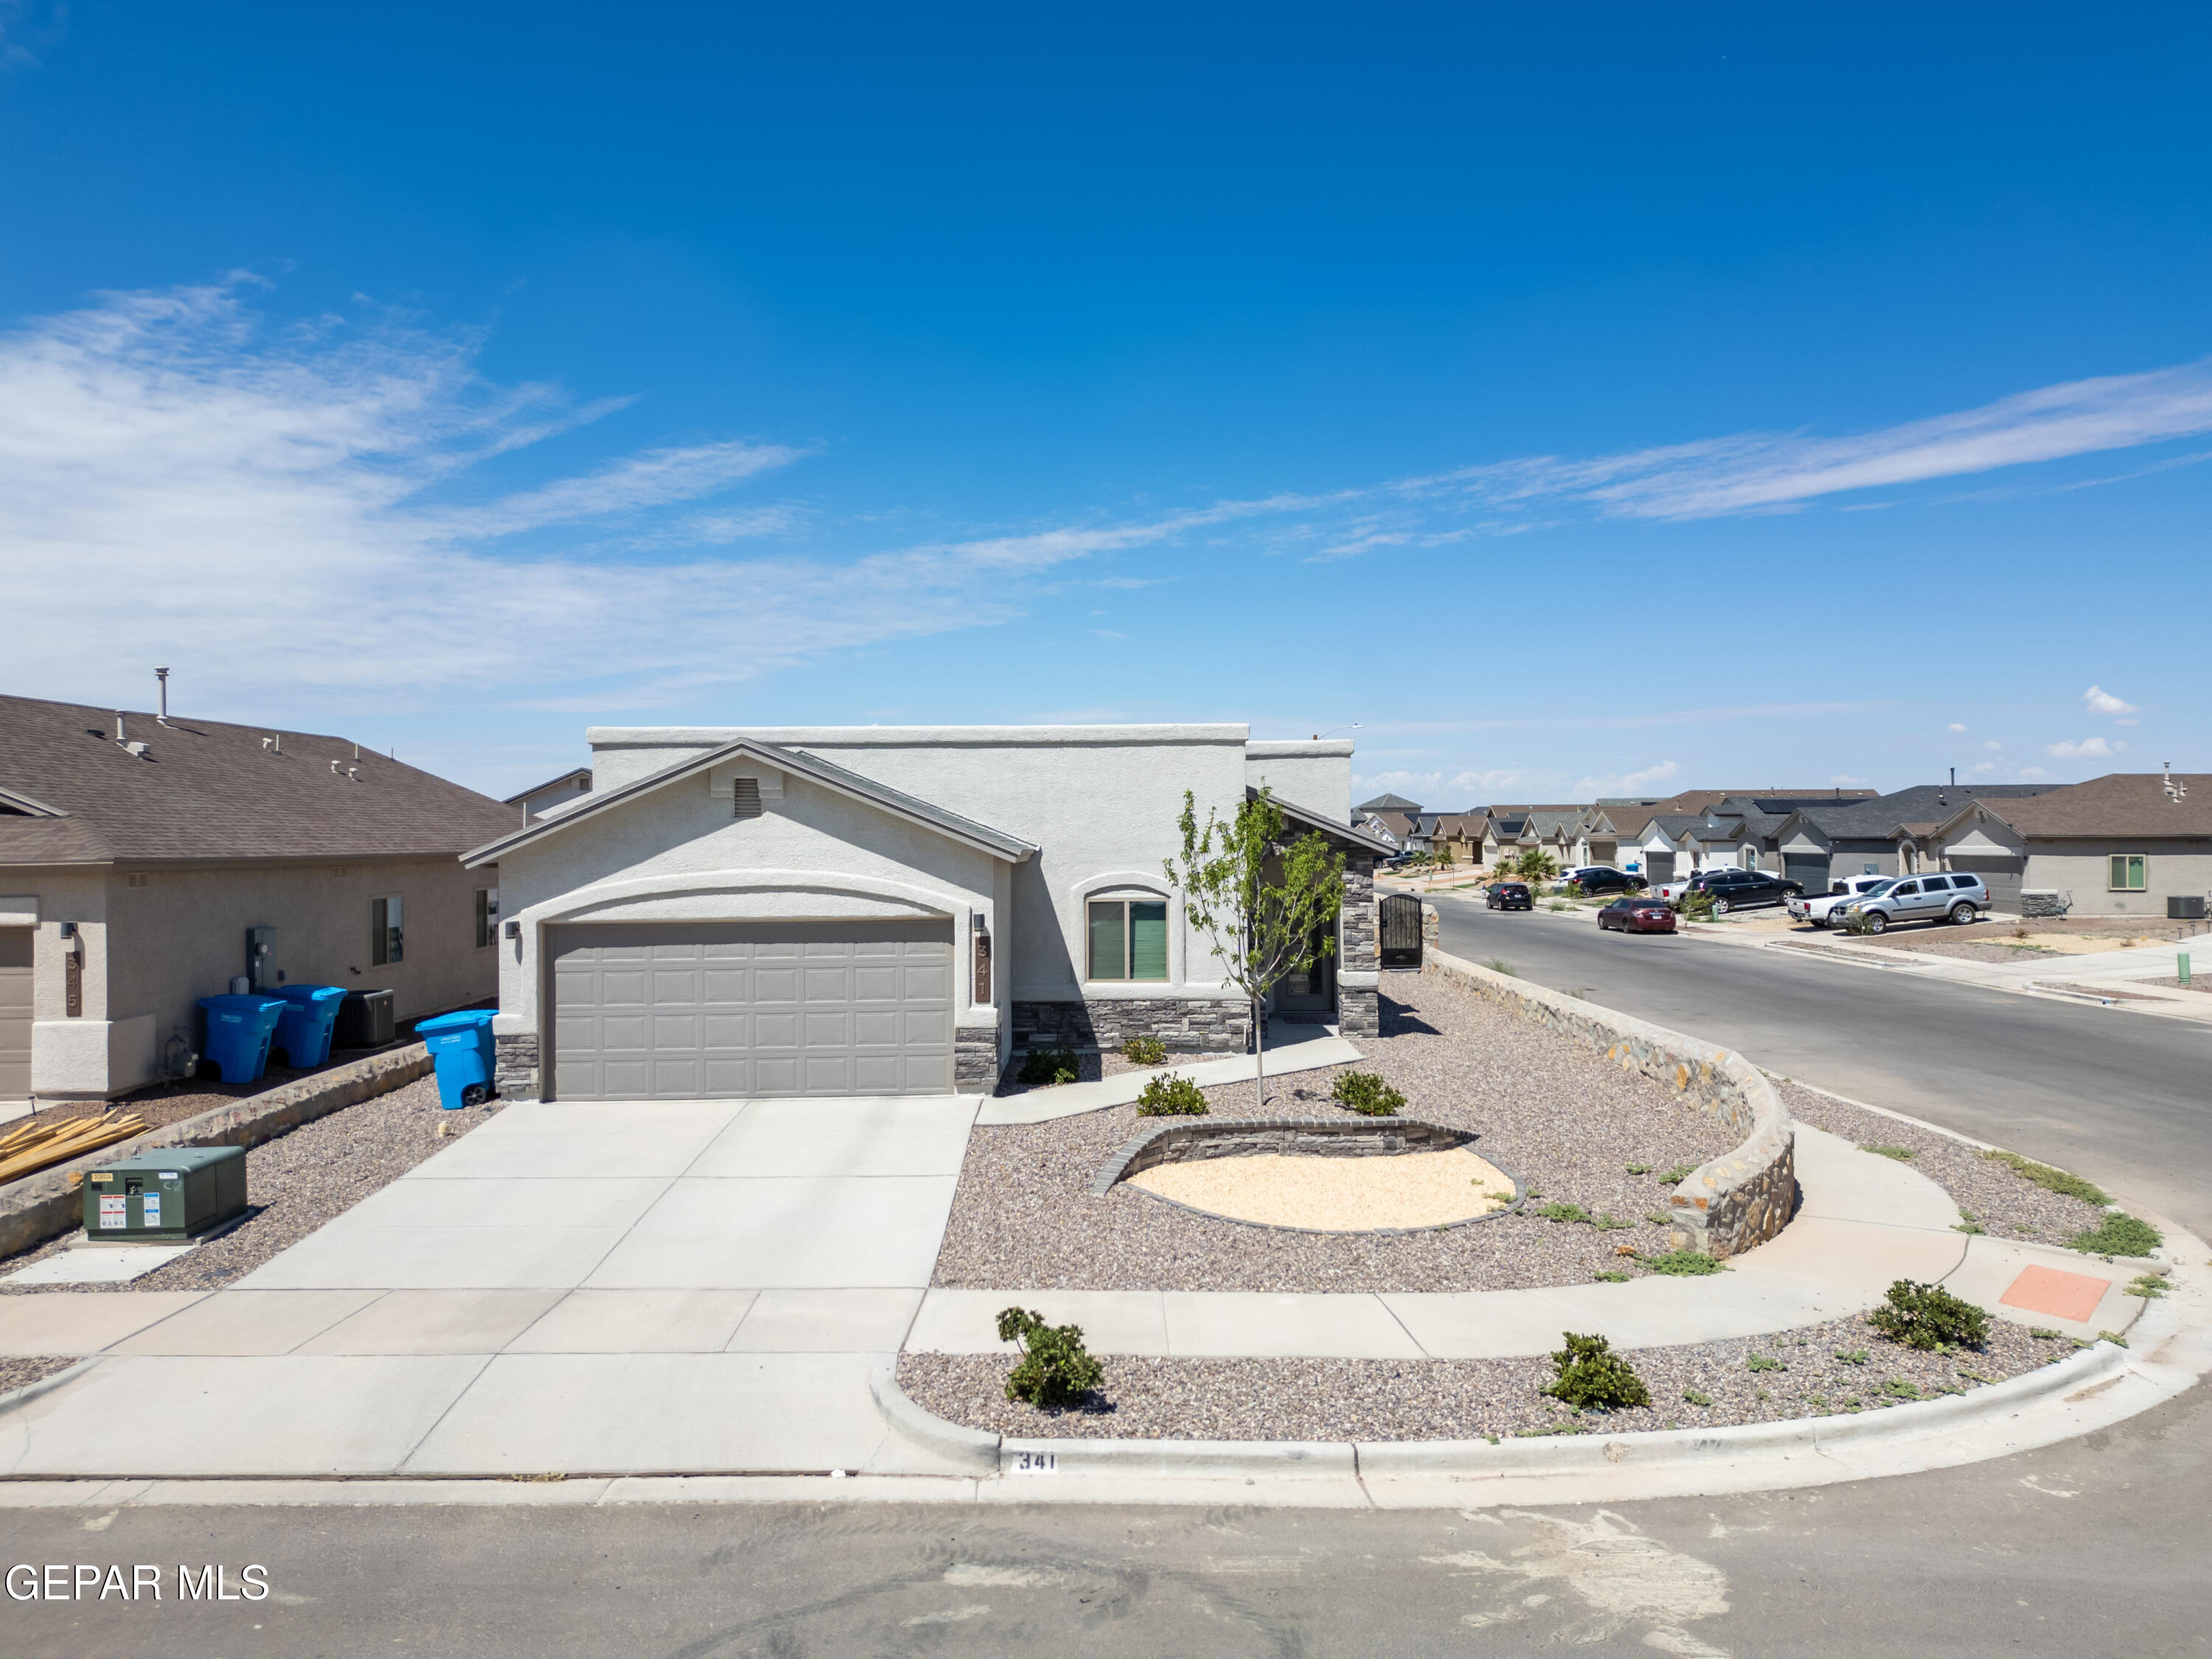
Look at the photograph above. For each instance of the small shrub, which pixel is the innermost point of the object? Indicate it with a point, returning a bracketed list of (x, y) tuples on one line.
[(1759, 1362), (1055, 1369), (1047, 1067), (1365, 1093), (1610, 1223), (1639, 1168), (2112, 1337), (1144, 1051), (1902, 1154), (2056, 1181), (2146, 1284), (1969, 1226), (2042, 1333), (1860, 1356), (1855, 923), (2117, 1235), (1928, 1317), (1563, 1213), (1697, 1399), (1678, 1175), (1605, 1277), (1171, 1095), (1684, 1264), (1898, 1387), (1592, 1377)]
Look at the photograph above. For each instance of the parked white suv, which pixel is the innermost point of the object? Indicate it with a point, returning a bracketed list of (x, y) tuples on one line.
[(1919, 898), (1815, 908)]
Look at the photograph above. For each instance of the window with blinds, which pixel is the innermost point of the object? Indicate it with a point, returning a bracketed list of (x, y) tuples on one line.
[(1128, 940)]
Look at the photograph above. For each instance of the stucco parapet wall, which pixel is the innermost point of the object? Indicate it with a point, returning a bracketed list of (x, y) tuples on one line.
[(908, 737), (1741, 1199), (42, 1206)]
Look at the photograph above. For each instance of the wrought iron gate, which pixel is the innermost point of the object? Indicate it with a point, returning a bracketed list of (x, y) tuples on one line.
[(1401, 931)]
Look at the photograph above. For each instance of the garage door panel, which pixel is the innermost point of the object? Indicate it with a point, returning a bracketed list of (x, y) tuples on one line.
[(741, 1010)]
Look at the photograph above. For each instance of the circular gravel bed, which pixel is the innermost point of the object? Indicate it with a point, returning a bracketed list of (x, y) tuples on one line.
[(2000, 1201), (296, 1182), (1336, 1194), (1147, 1399), (1579, 1129)]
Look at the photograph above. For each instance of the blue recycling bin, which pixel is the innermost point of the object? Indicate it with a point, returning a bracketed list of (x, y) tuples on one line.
[(303, 1029), (239, 1030), (460, 1047)]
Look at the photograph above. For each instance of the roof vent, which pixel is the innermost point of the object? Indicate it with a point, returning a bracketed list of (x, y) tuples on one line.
[(136, 750), (746, 797), (353, 774)]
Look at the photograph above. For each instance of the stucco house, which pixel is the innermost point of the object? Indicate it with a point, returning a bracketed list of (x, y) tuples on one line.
[(880, 910), (136, 852), (1893, 834), (553, 794), (2123, 844)]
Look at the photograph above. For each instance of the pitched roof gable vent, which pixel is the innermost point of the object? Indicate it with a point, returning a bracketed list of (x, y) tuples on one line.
[(745, 798)]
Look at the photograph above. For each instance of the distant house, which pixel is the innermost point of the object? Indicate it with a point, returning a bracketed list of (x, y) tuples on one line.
[(2123, 844), (563, 791), (1893, 834), (1388, 804), (136, 853)]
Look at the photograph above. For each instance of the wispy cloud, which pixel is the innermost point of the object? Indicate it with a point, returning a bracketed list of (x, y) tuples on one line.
[(1627, 783), (2100, 702), (2083, 748)]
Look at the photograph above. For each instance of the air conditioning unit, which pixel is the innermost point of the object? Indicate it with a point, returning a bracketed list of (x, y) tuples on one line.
[(2185, 906), (166, 1196)]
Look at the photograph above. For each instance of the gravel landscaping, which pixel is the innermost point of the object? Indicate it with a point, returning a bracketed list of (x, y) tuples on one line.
[(2194, 983), (2003, 1203), (296, 1182), (21, 1373), (1149, 1399), (1567, 1121)]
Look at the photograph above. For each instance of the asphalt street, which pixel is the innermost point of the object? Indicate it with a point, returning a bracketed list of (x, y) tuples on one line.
[(2121, 1097), (2095, 1546)]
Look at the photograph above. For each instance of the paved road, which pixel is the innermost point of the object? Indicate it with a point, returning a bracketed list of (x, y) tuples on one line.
[(2075, 1550), (2096, 1546), (2121, 1098)]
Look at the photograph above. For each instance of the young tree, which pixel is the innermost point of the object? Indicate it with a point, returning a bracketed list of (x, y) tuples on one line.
[(1261, 928), (1535, 865)]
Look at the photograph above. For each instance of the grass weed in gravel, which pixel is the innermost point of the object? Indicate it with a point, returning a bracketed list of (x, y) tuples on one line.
[(1562, 1117), (1705, 1385), (2001, 1201), (298, 1182)]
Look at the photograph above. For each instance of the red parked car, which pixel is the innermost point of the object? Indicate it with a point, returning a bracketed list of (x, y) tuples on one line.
[(1639, 915)]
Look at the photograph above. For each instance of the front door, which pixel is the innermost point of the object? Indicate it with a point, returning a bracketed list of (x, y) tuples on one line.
[(1310, 996)]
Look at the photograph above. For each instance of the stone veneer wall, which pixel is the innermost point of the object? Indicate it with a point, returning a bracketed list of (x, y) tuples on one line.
[(974, 1059), (1740, 1199), (1358, 1009), (1184, 1026), (515, 1066)]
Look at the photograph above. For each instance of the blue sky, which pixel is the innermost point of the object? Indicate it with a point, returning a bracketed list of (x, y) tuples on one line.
[(1630, 399)]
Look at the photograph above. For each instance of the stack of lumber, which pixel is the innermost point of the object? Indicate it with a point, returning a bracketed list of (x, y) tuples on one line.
[(36, 1142)]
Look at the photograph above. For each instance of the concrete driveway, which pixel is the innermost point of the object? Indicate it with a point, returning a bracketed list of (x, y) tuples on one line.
[(687, 1286)]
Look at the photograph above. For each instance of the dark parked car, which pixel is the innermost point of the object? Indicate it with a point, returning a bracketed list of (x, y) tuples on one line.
[(1604, 878), (1509, 896), (1638, 915), (1743, 889)]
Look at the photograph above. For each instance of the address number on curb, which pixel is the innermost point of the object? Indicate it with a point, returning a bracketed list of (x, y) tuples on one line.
[(1036, 1463)]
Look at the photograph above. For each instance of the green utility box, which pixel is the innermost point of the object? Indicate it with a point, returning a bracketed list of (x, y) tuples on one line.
[(165, 1196)]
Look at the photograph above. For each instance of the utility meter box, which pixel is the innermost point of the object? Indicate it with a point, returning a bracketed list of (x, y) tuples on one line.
[(165, 1197)]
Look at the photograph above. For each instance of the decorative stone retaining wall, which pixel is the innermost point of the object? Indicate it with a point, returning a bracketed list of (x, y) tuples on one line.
[(41, 1205), (1183, 1026), (1187, 1141), (1738, 1200)]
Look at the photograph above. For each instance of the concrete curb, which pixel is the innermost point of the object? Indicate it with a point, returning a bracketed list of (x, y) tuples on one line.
[(1277, 1459), (23, 1396), (42, 1205), (971, 1448)]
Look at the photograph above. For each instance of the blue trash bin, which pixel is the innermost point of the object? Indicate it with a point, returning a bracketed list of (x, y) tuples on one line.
[(239, 1030), (461, 1050), (303, 1029)]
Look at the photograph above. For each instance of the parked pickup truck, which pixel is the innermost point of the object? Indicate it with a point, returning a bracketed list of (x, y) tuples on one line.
[(1816, 908)]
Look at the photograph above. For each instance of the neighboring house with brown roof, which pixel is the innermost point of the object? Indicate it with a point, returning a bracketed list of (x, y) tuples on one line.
[(136, 853), (2122, 845)]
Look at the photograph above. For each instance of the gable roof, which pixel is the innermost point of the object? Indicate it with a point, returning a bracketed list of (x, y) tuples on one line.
[(569, 776), (1305, 818), (1912, 810), (206, 789), (796, 761), (2127, 804), (1389, 804)]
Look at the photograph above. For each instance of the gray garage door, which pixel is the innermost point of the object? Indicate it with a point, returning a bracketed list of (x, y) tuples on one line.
[(15, 1014), (1658, 866), (1808, 870), (663, 1012), (2001, 876)]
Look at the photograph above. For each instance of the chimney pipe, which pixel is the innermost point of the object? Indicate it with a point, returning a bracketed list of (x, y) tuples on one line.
[(162, 675), (1954, 777), (118, 725)]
